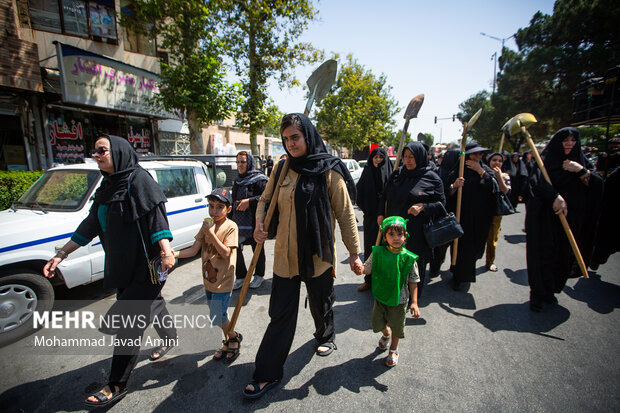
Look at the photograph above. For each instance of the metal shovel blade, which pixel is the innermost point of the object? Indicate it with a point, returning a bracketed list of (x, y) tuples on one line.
[(322, 79), (414, 107), (473, 119), (522, 119)]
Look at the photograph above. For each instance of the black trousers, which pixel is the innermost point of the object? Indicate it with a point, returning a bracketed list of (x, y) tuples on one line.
[(241, 270), (283, 309), (422, 272), (144, 302), (371, 229), (439, 256)]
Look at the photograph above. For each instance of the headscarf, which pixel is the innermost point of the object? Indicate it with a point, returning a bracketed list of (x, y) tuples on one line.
[(144, 193), (312, 205), (404, 180), (373, 179), (449, 163), (251, 174), (553, 156)]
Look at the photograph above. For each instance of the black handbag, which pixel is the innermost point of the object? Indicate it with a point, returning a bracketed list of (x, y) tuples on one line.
[(440, 231), (504, 206)]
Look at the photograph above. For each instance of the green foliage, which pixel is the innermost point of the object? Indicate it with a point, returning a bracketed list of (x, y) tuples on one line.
[(556, 53), (261, 38), (13, 184), (273, 120), (429, 139), (359, 110), (194, 81)]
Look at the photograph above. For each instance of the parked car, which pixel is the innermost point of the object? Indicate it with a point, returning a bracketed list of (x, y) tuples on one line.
[(44, 219), (354, 169), (362, 163)]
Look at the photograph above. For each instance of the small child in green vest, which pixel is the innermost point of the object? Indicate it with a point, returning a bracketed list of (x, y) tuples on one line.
[(393, 269)]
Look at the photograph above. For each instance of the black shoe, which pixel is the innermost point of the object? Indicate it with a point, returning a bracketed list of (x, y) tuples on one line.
[(536, 306), (433, 274), (550, 299), (455, 285)]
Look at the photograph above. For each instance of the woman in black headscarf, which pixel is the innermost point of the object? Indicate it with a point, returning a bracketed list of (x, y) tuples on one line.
[(414, 192), (478, 205), (517, 171), (449, 162), (576, 193), (246, 192), (369, 191), (316, 191), (128, 208)]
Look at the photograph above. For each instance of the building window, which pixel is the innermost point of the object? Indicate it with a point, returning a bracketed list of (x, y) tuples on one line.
[(94, 19), (134, 41)]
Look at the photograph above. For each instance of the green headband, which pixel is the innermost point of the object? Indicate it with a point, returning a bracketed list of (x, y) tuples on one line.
[(394, 220)]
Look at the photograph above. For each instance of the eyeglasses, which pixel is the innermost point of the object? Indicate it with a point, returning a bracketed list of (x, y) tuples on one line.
[(241, 162), (99, 151)]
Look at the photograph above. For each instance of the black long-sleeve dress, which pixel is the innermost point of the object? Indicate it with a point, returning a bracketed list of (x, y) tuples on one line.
[(478, 205), (550, 260)]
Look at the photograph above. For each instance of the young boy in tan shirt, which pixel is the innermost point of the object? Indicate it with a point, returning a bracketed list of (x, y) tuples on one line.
[(218, 242)]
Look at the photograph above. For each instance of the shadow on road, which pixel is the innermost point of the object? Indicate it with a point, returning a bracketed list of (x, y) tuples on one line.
[(601, 296), (518, 318), (518, 277), (515, 239)]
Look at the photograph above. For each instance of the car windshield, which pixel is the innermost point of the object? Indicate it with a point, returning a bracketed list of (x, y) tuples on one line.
[(59, 191)]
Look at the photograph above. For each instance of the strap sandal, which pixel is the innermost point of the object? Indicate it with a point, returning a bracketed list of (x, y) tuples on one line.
[(331, 346), (492, 267), (383, 343), (159, 352), (103, 400), (233, 352), (392, 359), (221, 352), (257, 393)]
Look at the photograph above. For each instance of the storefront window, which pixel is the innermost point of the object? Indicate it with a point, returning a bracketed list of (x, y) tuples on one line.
[(68, 132), (136, 42), (74, 14), (44, 15), (93, 19)]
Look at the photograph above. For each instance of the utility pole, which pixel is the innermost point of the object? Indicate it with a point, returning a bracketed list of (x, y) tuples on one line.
[(494, 56)]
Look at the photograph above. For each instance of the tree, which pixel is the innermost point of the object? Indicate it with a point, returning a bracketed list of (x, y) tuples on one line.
[(273, 119), (261, 39), (555, 54), (428, 139), (194, 81), (359, 110)]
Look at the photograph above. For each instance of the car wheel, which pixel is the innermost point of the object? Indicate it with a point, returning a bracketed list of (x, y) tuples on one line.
[(21, 294)]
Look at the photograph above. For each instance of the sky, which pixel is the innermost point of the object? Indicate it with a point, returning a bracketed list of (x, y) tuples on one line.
[(430, 47)]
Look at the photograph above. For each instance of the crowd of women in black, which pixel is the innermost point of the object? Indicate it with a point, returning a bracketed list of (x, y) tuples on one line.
[(422, 186)]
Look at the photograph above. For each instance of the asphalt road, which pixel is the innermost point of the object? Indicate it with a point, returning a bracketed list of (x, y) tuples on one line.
[(480, 349)]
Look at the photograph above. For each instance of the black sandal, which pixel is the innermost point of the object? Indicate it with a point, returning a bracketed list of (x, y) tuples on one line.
[(103, 400), (234, 351), (257, 393), (331, 346), (160, 351), (220, 353)]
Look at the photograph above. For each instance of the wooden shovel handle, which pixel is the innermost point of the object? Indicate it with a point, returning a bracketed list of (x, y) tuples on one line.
[(258, 249)]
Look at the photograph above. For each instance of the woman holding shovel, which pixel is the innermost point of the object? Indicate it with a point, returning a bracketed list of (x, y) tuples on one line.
[(316, 192), (477, 210), (576, 193)]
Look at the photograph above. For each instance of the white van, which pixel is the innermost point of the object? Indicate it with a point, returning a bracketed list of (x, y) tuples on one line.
[(44, 219)]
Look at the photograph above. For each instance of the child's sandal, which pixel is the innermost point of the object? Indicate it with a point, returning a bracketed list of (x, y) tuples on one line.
[(383, 343), (221, 352), (233, 353), (392, 359)]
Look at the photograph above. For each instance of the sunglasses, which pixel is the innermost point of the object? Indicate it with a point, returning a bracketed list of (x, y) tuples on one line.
[(99, 151)]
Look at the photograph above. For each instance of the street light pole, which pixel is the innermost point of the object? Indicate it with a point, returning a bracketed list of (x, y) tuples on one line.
[(495, 55)]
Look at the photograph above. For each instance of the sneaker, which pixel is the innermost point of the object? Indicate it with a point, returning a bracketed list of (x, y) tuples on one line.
[(256, 282), (238, 284)]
